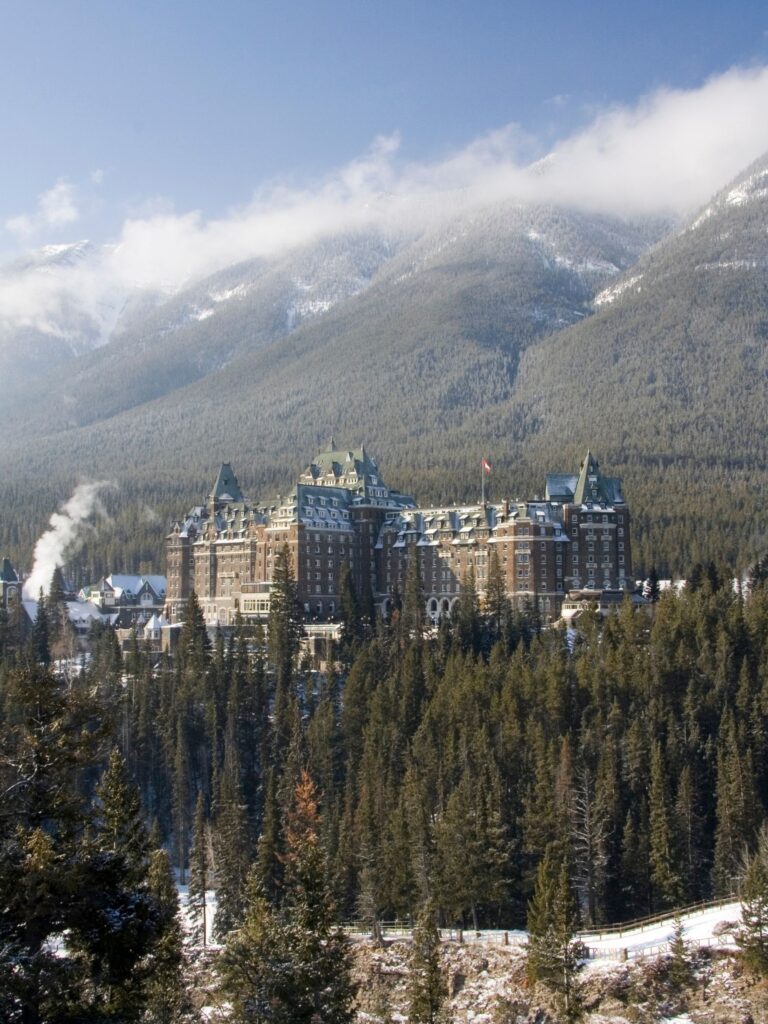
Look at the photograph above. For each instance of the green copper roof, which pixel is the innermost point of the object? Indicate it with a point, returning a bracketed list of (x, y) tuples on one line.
[(593, 487), (587, 486), (226, 487), (340, 462)]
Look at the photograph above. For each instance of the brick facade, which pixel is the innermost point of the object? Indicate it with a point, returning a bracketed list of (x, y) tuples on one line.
[(341, 512)]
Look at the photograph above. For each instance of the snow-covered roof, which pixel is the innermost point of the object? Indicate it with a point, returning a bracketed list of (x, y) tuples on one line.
[(83, 611), (132, 584)]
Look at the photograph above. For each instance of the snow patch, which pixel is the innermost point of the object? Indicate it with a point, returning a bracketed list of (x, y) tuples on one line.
[(748, 190), (702, 218), (610, 294), (238, 292)]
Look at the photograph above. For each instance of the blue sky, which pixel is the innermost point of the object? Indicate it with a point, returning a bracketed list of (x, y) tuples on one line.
[(140, 108)]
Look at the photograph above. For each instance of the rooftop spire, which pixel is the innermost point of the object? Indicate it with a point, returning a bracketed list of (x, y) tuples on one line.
[(226, 487)]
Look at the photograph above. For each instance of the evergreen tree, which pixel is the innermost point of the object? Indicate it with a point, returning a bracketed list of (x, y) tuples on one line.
[(752, 937), (680, 970), (413, 616), (41, 632), (289, 965), (166, 997), (283, 633), (468, 614), (667, 886), (70, 867), (199, 873), (352, 625), (231, 848), (269, 863), (553, 954), (497, 603), (427, 990)]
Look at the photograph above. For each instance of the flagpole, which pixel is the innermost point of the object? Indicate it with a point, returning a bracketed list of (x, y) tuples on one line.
[(482, 482)]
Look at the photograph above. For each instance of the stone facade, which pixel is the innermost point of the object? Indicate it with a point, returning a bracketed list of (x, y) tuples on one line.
[(341, 512)]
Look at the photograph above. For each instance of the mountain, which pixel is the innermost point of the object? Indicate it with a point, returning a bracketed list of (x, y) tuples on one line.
[(44, 323), (668, 378), (525, 333), (549, 262)]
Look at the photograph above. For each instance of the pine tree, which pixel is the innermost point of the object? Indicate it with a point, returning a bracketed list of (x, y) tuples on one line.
[(199, 873), (752, 937), (269, 862), (69, 866), (289, 965), (680, 970), (166, 998), (665, 880), (231, 848), (122, 828), (41, 632), (283, 633), (553, 954), (468, 616), (427, 990), (413, 617)]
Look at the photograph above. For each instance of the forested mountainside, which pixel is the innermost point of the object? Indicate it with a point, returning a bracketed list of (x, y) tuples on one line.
[(669, 379), (481, 337), (282, 356), (436, 775)]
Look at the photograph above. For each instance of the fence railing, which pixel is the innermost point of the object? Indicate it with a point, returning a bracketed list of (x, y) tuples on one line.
[(393, 930), (630, 953), (638, 924)]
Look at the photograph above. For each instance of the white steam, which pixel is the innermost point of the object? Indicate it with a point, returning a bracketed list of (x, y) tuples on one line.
[(65, 533)]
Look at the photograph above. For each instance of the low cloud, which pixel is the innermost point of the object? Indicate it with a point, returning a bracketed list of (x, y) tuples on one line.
[(55, 209), (666, 155)]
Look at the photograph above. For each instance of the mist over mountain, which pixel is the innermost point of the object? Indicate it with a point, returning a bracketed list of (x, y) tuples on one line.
[(549, 262), (527, 332)]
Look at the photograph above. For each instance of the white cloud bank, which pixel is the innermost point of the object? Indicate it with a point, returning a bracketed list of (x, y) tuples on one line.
[(55, 209), (666, 155)]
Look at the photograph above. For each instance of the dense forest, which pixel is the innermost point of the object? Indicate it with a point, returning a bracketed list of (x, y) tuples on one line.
[(441, 770)]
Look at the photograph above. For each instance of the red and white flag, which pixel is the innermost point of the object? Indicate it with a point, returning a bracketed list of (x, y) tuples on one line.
[(486, 466)]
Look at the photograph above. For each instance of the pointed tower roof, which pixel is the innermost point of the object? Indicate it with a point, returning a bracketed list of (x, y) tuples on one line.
[(593, 487), (226, 487), (7, 573)]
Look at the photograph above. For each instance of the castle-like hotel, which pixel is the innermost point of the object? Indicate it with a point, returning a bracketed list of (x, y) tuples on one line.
[(341, 511)]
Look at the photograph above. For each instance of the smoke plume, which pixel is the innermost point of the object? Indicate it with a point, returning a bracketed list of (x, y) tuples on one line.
[(64, 536)]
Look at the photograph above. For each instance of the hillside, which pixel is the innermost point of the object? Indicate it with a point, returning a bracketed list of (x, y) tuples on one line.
[(486, 980), (410, 338), (668, 379), (525, 333)]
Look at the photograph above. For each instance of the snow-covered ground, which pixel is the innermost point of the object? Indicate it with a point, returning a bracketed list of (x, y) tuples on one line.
[(210, 911), (702, 927)]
